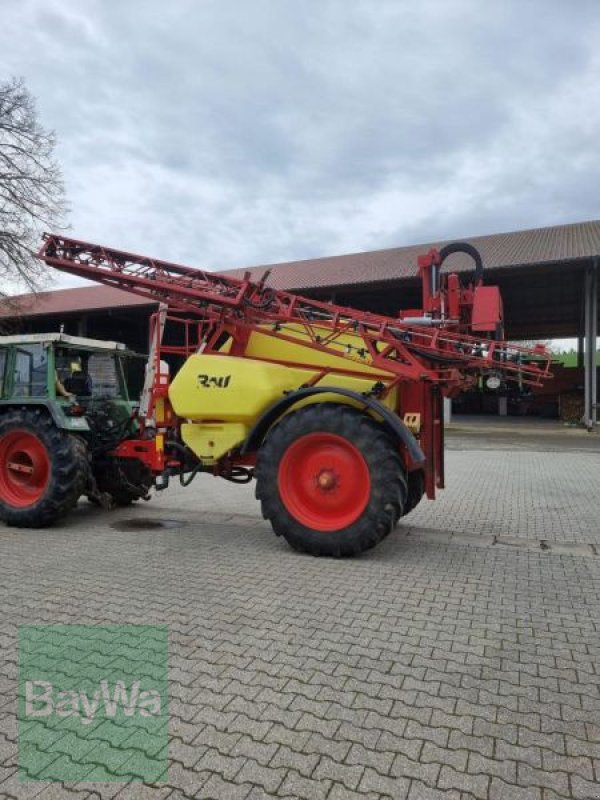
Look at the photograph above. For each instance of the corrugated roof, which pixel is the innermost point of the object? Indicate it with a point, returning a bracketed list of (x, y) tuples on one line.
[(64, 301), (500, 250)]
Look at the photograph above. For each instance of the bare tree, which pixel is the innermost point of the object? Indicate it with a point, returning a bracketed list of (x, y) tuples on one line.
[(32, 195)]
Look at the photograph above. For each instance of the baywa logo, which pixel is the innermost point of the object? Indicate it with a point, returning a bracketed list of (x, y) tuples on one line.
[(213, 381), (42, 700), (93, 702)]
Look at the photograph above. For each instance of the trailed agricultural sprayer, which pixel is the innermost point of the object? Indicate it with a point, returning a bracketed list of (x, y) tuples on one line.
[(337, 413)]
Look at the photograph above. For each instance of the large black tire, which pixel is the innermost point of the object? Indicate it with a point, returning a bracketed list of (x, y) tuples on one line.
[(416, 489), (43, 470), (326, 448)]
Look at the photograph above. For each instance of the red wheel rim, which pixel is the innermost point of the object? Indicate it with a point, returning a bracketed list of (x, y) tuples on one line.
[(24, 468), (324, 481)]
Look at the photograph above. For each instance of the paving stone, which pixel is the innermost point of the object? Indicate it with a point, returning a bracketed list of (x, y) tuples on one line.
[(309, 722), (368, 737), (395, 787), (574, 765), (279, 734), (404, 767), (571, 728), (186, 731), (529, 776), (431, 753), (189, 781), (378, 760), (507, 733), (249, 748), (268, 777), (106, 790), (250, 726), (382, 674), (439, 736), (216, 788), (224, 765), (133, 791), (339, 792), (222, 741), (187, 754), (501, 768), (451, 779), (440, 719), (320, 745), (579, 747), (549, 741), (301, 788), (550, 795), (511, 752), (347, 774), (584, 790), (377, 722), (477, 744), (304, 763), (419, 791), (499, 790), (258, 793)]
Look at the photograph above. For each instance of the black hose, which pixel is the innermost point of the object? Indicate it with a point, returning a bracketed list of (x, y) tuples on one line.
[(267, 297), (186, 481), (239, 475), (468, 249)]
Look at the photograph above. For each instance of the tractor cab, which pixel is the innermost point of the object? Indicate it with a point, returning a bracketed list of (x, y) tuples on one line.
[(64, 408), (81, 383), (66, 373)]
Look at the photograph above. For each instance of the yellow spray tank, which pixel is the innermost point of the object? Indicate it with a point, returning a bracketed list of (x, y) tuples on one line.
[(221, 396)]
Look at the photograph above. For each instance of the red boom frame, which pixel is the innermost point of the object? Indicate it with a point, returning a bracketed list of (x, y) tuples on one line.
[(441, 353), (430, 356)]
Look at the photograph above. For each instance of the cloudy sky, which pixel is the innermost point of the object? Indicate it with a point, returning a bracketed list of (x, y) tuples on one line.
[(224, 133)]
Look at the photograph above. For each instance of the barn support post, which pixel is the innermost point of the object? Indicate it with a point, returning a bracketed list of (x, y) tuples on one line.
[(82, 326), (591, 345)]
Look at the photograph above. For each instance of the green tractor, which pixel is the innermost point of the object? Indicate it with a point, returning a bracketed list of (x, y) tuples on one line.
[(64, 406)]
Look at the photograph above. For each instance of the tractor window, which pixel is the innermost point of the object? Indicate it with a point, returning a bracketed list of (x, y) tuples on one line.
[(86, 374), (30, 376), (103, 372)]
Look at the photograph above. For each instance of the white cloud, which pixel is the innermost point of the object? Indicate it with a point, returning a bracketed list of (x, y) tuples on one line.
[(229, 133)]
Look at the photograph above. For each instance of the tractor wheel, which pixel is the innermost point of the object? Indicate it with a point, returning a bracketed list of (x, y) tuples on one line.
[(330, 480), (43, 470), (416, 489)]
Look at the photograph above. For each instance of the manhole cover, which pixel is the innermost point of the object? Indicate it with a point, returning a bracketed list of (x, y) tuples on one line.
[(145, 524)]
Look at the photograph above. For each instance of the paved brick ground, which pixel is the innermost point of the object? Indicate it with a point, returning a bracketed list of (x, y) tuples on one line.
[(459, 659)]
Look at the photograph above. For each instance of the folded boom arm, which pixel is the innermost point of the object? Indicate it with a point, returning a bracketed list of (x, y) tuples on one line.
[(434, 349)]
